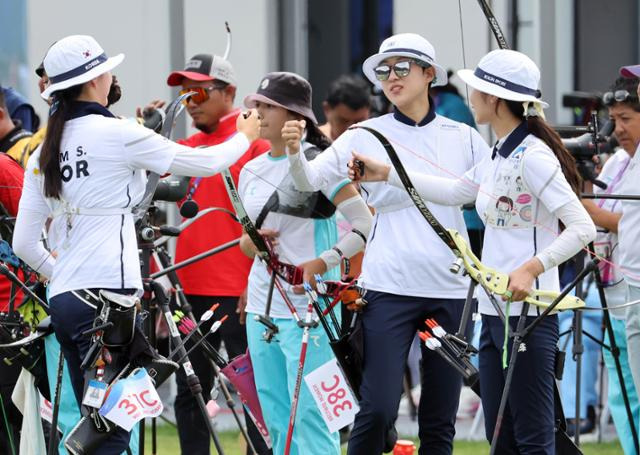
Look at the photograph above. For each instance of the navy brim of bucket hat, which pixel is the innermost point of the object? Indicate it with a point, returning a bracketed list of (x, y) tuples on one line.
[(500, 88), (79, 75)]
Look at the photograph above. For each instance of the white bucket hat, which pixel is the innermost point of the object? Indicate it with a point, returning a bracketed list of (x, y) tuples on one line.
[(507, 74), (75, 60), (404, 45)]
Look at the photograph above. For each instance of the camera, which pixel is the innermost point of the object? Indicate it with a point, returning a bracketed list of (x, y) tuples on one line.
[(171, 189), (584, 147), (594, 140)]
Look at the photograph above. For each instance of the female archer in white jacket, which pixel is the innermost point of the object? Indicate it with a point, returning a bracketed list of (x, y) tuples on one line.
[(89, 174)]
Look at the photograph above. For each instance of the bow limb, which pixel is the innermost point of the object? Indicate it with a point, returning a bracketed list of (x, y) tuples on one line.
[(493, 24), (496, 282)]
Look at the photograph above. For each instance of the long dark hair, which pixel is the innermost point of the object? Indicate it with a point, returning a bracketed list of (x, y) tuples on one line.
[(539, 128), (316, 137), (49, 155)]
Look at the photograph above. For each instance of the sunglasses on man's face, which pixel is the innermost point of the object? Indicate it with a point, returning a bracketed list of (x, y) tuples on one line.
[(402, 69), (201, 94), (619, 96)]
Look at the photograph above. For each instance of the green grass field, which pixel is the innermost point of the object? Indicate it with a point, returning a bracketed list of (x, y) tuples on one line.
[(233, 444)]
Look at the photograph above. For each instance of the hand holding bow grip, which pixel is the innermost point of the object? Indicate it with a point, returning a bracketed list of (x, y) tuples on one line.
[(497, 282)]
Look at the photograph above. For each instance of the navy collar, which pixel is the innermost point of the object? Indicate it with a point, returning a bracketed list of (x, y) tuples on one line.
[(82, 108), (512, 141), (399, 116)]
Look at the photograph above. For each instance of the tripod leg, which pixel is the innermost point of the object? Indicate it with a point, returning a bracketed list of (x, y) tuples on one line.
[(165, 260), (184, 304), (53, 434), (192, 379), (153, 310), (601, 392), (577, 350), (145, 260), (615, 352)]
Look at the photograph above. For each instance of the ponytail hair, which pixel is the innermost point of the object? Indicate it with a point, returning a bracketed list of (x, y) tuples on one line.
[(49, 155), (539, 128), (316, 137)]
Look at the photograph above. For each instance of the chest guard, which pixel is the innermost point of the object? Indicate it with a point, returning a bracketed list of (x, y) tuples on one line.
[(288, 200), (512, 205)]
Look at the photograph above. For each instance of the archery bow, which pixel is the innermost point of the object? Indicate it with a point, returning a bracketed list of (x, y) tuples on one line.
[(493, 281), (290, 273), (173, 111), (493, 23)]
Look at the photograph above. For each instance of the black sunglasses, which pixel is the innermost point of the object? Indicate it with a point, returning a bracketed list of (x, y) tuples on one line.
[(401, 69), (619, 96)]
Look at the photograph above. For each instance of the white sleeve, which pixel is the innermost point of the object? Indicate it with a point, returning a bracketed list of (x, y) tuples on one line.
[(440, 190), (578, 233), (32, 214), (327, 169), (204, 162), (305, 177), (543, 175), (144, 149)]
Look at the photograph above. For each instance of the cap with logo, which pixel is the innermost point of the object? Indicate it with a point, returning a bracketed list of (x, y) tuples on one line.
[(283, 89), (204, 67), (74, 60), (507, 74), (404, 45)]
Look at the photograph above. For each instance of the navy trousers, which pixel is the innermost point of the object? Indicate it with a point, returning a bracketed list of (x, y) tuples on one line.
[(70, 317), (389, 325), (528, 422)]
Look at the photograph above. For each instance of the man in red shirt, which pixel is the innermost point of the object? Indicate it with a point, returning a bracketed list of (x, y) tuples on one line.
[(221, 278)]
